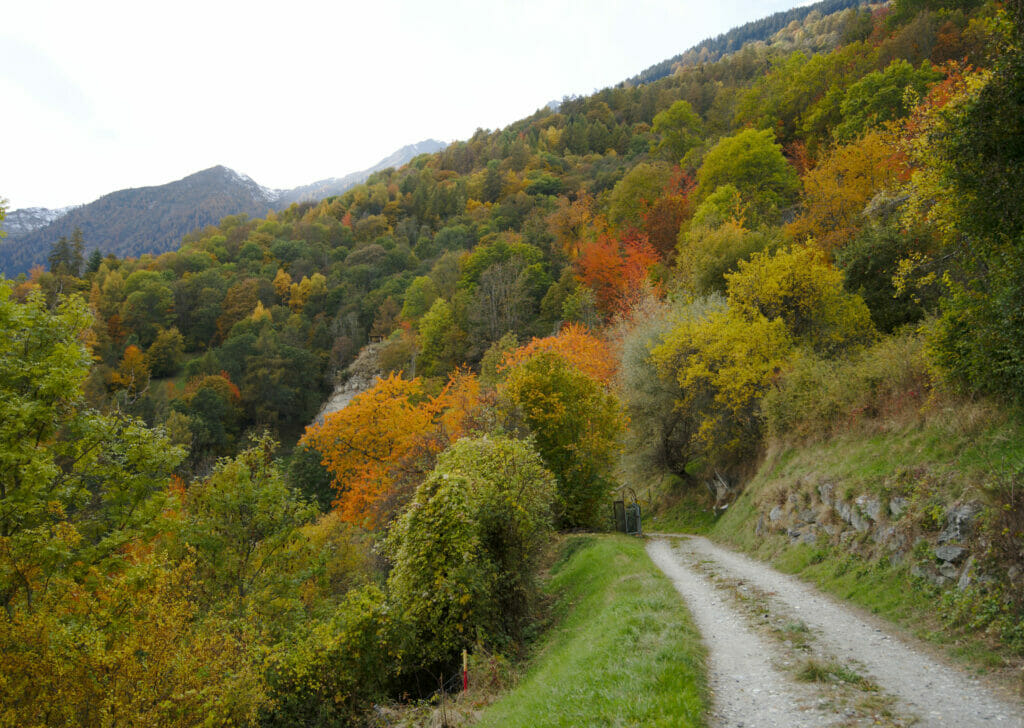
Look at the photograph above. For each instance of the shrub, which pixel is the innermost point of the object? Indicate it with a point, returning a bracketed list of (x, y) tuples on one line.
[(465, 552), (334, 668), (576, 425), (818, 395)]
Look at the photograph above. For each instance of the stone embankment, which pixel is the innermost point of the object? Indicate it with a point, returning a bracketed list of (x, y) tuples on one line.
[(881, 527)]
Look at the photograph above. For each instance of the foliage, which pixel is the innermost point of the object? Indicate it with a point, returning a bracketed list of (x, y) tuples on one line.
[(837, 190), (238, 523), (752, 162), (331, 669), (820, 396), (306, 474), (441, 340), (575, 424), (724, 364), (680, 128), (466, 550), (800, 288), (78, 485), (587, 352), (634, 194), (615, 269), (380, 445), (661, 436), (706, 255), (880, 255), (164, 355), (970, 150), (883, 96), (129, 649)]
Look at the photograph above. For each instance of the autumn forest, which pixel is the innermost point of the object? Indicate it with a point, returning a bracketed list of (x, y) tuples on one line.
[(650, 284)]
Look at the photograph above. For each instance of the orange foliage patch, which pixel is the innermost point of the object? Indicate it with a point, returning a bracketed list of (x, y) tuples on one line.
[(576, 344), (390, 435), (615, 269), (195, 383)]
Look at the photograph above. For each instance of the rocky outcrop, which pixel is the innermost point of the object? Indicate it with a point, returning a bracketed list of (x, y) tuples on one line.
[(360, 376), (878, 526)]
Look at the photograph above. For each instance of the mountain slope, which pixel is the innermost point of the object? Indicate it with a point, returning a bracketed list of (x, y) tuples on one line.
[(712, 49), (154, 219), (144, 219)]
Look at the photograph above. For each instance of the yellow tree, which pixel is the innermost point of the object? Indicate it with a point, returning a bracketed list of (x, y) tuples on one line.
[(837, 190), (283, 284), (132, 373)]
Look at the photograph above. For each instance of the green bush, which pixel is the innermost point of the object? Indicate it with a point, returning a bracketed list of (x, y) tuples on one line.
[(466, 550), (818, 395), (333, 669), (576, 425)]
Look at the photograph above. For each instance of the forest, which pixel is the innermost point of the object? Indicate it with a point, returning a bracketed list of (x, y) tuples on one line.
[(650, 284)]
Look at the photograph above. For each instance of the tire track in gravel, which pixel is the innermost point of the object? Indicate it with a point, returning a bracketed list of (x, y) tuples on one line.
[(937, 694)]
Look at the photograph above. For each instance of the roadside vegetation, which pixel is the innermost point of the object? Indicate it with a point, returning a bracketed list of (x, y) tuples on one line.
[(621, 650)]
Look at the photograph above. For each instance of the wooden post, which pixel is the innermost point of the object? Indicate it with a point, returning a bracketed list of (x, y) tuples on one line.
[(465, 671)]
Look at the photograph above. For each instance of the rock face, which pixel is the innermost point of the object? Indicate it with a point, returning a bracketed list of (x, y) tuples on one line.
[(884, 526), (361, 375)]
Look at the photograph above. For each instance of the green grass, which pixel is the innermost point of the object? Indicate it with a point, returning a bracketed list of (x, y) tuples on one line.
[(685, 512), (623, 651), (832, 672)]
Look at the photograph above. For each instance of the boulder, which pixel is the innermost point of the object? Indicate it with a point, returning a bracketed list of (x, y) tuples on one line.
[(870, 507), (967, 575), (898, 506), (959, 522), (950, 553), (825, 490)]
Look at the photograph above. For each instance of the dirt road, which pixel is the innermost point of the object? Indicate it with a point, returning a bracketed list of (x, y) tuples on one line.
[(782, 654)]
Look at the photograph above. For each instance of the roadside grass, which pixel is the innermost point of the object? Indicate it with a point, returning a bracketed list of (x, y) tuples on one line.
[(688, 511), (622, 650)]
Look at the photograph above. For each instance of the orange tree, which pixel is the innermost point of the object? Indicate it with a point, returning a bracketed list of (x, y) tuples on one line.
[(380, 446), (590, 354)]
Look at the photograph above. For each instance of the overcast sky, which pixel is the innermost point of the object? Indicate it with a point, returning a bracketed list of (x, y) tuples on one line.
[(100, 96)]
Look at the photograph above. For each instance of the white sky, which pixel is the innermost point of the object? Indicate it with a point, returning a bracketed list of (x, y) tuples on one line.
[(100, 96)]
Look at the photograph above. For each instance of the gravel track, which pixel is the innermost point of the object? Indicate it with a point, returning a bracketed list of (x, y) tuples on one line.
[(747, 672), (748, 690)]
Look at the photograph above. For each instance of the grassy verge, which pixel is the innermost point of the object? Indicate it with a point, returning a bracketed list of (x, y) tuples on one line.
[(683, 511), (623, 651)]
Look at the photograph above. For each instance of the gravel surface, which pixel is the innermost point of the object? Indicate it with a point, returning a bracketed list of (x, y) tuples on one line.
[(908, 685), (747, 689)]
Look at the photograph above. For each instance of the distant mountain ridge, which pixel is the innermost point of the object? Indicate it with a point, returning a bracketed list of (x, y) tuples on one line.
[(320, 189), (153, 220)]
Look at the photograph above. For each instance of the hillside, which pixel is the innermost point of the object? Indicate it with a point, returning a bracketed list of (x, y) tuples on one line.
[(698, 288), (153, 220), (764, 30)]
